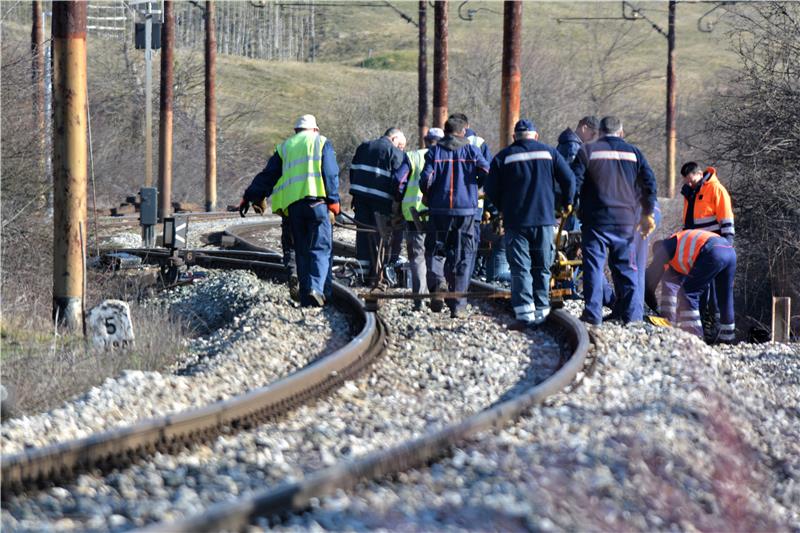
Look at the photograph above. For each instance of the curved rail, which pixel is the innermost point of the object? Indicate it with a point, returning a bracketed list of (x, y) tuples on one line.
[(291, 497), (121, 445)]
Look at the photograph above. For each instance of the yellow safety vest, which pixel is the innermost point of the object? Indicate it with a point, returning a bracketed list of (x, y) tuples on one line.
[(413, 195), (301, 175)]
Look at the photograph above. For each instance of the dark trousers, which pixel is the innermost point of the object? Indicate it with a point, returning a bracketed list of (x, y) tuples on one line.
[(530, 253), (367, 242), (313, 241), (715, 265), (287, 248), (614, 243), (450, 247)]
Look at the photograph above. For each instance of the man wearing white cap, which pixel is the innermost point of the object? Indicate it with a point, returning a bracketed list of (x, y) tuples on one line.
[(410, 197), (302, 180)]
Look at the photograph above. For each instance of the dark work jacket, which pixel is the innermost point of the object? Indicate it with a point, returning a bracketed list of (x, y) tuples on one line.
[(451, 176), (522, 183), (616, 183), (377, 171)]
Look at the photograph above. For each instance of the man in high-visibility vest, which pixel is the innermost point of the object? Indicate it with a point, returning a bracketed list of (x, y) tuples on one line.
[(302, 180), (378, 168), (411, 198), (686, 264), (706, 205)]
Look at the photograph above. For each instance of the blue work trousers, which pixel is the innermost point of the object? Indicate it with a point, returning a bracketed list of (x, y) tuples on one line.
[(614, 243), (530, 253), (497, 268), (287, 248), (715, 265), (450, 248), (313, 242)]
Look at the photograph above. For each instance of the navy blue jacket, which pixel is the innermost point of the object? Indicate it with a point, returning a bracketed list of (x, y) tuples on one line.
[(377, 173), (615, 181), (262, 185), (453, 172), (522, 183), (569, 144)]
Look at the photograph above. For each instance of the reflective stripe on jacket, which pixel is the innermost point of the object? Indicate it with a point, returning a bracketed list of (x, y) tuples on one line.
[(372, 171), (708, 206), (690, 242), (413, 195), (301, 171)]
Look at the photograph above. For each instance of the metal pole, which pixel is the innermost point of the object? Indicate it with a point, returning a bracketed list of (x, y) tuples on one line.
[(440, 63), (422, 73), (165, 113), (211, 109), (37, 78), (48, 111), (671, 133), (148, 98), (511, 75), (69, 159)]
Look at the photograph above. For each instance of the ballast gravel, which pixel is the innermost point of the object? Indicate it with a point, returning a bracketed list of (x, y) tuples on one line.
[(251, 335), (436, 371), (667, 434)]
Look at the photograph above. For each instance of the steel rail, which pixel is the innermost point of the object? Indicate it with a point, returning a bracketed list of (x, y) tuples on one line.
[(296, 496), (121, 445)]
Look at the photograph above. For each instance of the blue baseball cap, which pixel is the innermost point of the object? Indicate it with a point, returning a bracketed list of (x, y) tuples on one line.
[(524, 125)]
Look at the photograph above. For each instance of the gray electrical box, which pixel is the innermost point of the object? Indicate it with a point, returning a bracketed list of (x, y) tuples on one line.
[(155, 38), (148, 210)]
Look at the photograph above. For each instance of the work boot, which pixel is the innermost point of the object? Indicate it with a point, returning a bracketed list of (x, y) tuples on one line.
[(294, 288), (315, 299), (437, 302), (456, 312)]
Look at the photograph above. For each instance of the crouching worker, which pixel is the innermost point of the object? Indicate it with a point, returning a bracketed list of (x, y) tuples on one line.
[(687, 264), (302, 180)]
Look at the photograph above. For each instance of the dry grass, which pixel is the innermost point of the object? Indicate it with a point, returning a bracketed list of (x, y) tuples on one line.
[(45, 367)]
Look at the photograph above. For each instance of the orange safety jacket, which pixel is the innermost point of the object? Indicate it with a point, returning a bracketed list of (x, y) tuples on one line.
[(708, 206), (690, 242)]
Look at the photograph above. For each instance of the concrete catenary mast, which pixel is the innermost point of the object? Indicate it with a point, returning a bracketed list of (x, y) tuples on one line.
[(165, 113), (511, 75), (422, 73), (440, 63), (671, 130), (211, 109), (69, 161)]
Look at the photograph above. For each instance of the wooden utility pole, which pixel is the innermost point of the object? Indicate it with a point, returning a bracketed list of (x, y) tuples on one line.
[(69, 160), (422, 73), (37, 79), (211, 109), (671, 132), (165, 113), (511, 75), (440, 63)]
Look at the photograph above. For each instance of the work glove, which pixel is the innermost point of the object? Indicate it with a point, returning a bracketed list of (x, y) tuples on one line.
[(244, 206), (567, 211), (260, 207), (334, 208), (647, 225), (487, 216)]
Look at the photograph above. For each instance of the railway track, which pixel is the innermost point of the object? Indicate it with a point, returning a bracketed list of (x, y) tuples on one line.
[(296, 496), (120, 446)]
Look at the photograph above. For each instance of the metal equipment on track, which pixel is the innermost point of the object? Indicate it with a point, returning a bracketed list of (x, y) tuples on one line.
[(291, 497), (169, 433)]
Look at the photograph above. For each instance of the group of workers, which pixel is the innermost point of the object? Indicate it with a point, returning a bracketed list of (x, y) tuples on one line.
[(432, 199)]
